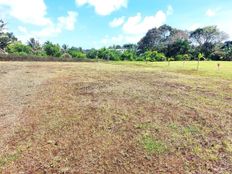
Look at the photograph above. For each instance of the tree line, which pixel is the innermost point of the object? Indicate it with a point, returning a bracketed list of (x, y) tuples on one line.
[(164, 43)]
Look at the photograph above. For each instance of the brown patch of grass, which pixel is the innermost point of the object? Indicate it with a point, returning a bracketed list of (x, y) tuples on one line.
[(96, 118)]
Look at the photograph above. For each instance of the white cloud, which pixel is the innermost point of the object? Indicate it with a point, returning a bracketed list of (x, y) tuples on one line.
[(169, 10), (117, 22), (68, 22), (104, 7), (120, 39), (51, 30), (210, 13), (27, 11), (34, 12), (139, 25), (134, 27)]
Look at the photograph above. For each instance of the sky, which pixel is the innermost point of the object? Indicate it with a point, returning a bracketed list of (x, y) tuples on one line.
[(100, 23)]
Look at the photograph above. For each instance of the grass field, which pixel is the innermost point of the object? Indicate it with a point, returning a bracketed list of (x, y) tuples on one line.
[(115, 117), (206, 68)]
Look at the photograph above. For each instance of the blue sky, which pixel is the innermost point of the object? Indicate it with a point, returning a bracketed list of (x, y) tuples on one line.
[(98, 23)]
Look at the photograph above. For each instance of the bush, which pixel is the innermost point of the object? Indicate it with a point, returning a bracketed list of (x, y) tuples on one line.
[(108, 54), (52, 49), (92, 54), (77, 53), (160, 57), (18, 48), (217, 55), (154, 56), (128, 55), (179, 57), (139, 58)]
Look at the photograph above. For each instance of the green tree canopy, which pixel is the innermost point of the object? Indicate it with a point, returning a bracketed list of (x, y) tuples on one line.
[(18, 48), (159, 38), (52, 49)]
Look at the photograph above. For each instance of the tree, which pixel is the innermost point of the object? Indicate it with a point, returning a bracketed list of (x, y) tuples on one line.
[(109, 54), (179, 47), (186, 57), (209, 34), (34, 44), (129, 46), (92, 54), (227, 49), (5, 37), (200, 57), (76, 52), (52, 49), (18, 48), (159, 38), (65, 48), (154, 56), (206, 38), (128, 55)]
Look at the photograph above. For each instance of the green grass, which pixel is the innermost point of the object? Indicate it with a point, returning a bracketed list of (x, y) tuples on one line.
[(8, 159), (152, 145), (207, 68)]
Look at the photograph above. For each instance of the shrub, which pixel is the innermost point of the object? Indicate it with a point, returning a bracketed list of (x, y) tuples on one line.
[(76, 53), (128, 55), (154, 56), (52, 49), (179, 57), (139, 58), (217, 55), (92, 54), (18, 48)]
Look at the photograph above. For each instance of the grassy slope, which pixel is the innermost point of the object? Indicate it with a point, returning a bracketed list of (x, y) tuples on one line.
[(127, 118)]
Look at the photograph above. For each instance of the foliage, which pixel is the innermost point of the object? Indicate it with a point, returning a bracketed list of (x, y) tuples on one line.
[(109, 54), (76, 52), (6, 39), (154, 56), (34, 44), (209, 34), (227, 50), (64, 48), (130, 46), (200, 56), (160, 38), (18, 48), (128, 55), (52, 49), (179, 47), (92, 54)]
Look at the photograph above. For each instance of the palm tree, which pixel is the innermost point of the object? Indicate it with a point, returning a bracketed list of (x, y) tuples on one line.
[(34, 44), (65, 48)]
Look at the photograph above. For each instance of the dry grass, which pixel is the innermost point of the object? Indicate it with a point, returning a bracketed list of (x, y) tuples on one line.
[(106, 118)]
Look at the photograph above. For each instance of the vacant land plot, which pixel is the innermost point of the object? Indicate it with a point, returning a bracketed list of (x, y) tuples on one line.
[(115, 118)]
